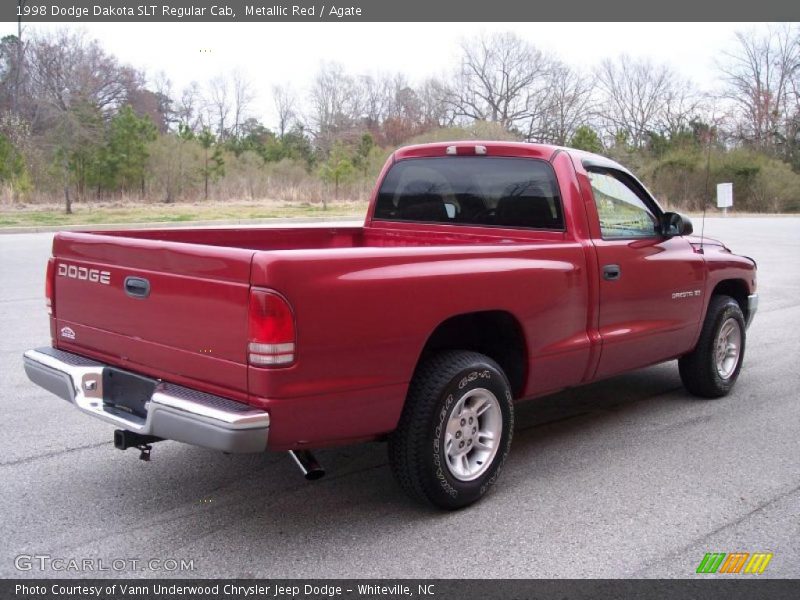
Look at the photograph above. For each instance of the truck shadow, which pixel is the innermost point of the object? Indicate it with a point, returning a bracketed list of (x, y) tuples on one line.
[(612, 395), (262, 505), (359, 477)]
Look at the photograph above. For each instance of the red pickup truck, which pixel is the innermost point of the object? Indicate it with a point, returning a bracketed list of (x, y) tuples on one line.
[(485, 273)]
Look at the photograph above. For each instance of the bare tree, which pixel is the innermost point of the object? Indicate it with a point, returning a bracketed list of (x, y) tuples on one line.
[(377, 96), (633, 96), (19, 66), (406, 102), (335, 105), (167, 109), (145, 102), (189, 107), (682, 104), (437, 111), (286, 106), (501, 79), (567, 104), (404, 115), (218, 106), (65, 59), (760, 78), (243, 96), (790, 140), (12, 66)]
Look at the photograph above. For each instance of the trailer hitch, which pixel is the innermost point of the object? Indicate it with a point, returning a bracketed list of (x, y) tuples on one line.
[(124, 439)]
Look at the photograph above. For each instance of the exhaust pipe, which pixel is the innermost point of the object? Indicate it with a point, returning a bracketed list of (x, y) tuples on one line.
[(308, 464)]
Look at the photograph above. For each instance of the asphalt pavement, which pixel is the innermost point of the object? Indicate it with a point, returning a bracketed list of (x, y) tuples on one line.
[(629, 477)]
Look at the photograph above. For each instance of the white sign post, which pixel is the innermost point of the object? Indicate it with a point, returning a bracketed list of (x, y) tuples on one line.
[(724, 196)]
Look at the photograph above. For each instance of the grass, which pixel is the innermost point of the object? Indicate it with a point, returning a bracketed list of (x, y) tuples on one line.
[(111, 213), (126, 212)]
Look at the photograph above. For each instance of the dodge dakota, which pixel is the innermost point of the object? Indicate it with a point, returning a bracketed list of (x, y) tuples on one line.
[(485, 273)]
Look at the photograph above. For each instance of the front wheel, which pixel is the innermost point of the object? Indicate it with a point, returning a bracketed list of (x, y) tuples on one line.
[(455, 430), (711, 369)]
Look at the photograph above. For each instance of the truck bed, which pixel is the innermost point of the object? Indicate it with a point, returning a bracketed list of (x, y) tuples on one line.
[(346, 285), (318, 237)]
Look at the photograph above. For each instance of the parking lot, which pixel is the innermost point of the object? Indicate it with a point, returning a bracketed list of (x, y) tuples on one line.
[(629, 477)]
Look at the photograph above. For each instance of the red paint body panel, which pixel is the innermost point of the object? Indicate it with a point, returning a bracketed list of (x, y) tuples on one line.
[(367, 299)]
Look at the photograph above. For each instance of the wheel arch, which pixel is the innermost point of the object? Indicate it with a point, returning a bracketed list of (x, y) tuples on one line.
[(496, 333), (736, 289)]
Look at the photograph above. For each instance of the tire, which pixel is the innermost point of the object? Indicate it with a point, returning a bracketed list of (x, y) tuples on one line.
[(707, 371), (447, 461)]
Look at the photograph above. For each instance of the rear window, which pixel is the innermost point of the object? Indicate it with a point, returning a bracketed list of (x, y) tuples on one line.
[(472, 190)]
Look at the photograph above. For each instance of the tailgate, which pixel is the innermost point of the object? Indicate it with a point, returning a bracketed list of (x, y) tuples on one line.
[(170, 310)]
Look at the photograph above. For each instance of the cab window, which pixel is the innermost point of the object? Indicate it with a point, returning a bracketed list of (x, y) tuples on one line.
[(471, 190), (622, 211)]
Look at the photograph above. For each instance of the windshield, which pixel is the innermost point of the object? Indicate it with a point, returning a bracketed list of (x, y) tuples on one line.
[(487, 191)]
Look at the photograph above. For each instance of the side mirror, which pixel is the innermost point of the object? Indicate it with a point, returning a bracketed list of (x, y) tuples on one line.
[(673, 224)]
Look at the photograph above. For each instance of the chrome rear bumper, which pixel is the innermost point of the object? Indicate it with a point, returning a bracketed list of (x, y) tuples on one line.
[(173, 412)]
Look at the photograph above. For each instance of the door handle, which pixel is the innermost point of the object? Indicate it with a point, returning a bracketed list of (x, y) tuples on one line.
[(137, 287), (611, 272)]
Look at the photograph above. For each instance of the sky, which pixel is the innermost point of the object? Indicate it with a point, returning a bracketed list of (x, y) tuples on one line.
[(269, 54)]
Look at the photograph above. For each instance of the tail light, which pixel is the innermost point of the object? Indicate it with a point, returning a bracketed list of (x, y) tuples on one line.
[(272, 331), (49, 287)]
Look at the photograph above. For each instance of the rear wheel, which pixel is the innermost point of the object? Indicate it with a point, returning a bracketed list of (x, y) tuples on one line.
[(455, 430), (711, 369)]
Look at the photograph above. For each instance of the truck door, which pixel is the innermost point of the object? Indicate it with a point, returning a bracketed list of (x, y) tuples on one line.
[(651, 286)]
